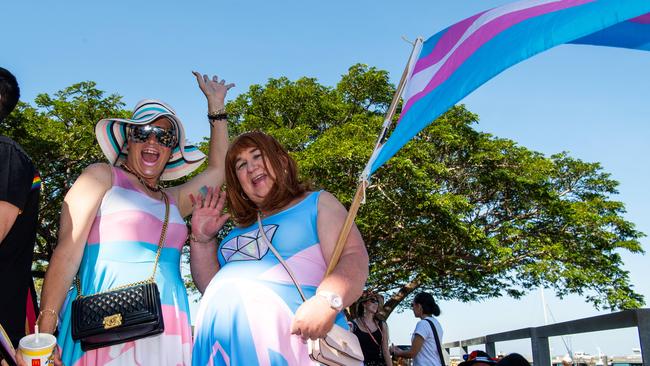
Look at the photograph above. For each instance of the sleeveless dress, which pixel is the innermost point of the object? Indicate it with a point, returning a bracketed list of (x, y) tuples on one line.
[(121, 249), (372, 353), (245, 314)]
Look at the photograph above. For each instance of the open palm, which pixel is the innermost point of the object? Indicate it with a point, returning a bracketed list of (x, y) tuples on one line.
[(208, 216), (215, 89)]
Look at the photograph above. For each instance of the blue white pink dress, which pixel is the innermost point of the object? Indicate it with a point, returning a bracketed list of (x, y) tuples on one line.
[(121, 249), (245, 314)]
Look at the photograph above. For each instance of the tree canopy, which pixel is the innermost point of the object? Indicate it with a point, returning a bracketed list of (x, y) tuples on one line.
[(461, 213)]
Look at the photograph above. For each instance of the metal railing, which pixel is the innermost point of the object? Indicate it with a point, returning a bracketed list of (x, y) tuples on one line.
[(639, 318)]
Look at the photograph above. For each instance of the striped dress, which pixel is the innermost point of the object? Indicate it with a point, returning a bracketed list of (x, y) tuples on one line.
[(245, 314), (121, 249)]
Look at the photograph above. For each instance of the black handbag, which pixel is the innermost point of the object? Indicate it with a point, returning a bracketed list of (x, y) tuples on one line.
[(120, 314)]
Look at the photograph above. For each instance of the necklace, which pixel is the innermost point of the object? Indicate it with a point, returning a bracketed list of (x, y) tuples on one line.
[(155, 188), (363, 320)]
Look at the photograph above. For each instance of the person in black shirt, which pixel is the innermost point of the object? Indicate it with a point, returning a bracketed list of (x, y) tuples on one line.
[(371, 331), (19, 195)]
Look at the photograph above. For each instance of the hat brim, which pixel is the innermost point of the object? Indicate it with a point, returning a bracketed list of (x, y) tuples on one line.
[(111, 135)]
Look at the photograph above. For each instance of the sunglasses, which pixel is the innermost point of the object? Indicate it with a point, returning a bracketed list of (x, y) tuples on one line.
[(374, 301), (166, 138)]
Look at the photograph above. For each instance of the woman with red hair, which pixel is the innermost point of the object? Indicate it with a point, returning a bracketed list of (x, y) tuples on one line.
[(251, 312)]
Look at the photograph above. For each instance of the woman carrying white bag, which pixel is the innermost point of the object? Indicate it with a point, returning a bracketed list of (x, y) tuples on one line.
[(252, 312)]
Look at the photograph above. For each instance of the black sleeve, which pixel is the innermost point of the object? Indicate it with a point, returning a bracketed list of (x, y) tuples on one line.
[(16, 176)]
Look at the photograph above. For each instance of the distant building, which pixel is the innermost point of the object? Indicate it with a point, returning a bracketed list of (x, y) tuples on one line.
[(585, 359)]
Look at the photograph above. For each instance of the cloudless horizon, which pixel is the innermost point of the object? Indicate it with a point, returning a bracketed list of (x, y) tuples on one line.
[(589, 101)]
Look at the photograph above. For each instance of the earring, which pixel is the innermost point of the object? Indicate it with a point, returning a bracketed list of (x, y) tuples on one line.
[(243, 196)]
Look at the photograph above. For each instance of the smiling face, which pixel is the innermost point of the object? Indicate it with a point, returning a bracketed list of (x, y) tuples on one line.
[(260, 176), (148, 158), (255, 174)]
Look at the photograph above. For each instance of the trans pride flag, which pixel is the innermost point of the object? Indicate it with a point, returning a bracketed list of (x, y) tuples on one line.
[(456, 61)]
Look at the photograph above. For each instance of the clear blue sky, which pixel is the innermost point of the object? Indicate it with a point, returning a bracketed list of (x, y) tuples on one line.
[(592, 102)]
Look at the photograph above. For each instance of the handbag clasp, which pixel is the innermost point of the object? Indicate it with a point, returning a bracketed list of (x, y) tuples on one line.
[(112, 321)]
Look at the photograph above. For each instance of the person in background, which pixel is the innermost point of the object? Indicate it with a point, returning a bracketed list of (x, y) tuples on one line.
[(20, 185), (371, 331), (478, 358), (251, 312), (425, 344), (111, 224)]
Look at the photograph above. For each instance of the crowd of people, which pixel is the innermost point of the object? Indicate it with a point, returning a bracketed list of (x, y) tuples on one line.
[(266, 291)]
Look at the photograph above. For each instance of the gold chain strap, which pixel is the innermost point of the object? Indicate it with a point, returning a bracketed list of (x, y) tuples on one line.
[(151, 278)]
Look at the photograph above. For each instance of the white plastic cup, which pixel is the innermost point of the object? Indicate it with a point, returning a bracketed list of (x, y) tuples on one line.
[(37, 349)]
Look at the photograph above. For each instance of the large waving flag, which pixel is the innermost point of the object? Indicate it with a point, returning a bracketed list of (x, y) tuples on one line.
[(459, 59)]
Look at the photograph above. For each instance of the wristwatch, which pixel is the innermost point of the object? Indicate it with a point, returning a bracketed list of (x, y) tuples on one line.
[(333, 299)]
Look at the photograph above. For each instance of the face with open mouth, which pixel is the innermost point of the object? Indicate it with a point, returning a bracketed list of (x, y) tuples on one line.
[(256, 177), (148, 158)]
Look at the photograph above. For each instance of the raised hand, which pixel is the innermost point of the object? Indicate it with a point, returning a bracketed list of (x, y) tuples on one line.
[(208, 216), (215, 90)]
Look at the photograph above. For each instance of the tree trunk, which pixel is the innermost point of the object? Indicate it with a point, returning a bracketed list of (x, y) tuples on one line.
[(398, 297)]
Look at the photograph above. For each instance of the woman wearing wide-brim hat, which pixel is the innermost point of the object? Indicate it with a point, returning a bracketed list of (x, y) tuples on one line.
[(371, 330), (111, 224)]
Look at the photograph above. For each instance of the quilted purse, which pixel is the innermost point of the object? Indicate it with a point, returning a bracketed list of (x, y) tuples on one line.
[(340, 347), (120, 314)]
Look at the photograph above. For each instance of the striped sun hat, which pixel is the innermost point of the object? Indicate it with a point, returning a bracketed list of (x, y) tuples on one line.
[(111, 134)]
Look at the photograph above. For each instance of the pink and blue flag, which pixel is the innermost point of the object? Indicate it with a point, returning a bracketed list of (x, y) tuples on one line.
[(456, 61)]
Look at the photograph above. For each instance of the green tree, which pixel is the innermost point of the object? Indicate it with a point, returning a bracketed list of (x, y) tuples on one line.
[(460, 213), (59, 135)]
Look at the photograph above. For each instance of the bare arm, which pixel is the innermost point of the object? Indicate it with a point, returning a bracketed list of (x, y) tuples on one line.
[(416, 346), (207, 219), (384, 344), (315, 317), (77, 215), (203, 263), (215, 92), (7, 219), (350, 274)]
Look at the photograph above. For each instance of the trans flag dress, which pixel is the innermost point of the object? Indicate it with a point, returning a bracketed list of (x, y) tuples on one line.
[(121, 249), (245, 314)]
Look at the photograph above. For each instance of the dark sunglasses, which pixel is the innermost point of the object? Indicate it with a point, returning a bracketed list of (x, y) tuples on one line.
[(166, 138)]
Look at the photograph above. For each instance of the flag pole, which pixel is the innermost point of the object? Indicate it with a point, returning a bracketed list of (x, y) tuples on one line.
[(360, 194), (388, 120)]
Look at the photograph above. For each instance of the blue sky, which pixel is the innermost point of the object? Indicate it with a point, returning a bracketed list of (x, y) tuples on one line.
[(592, 102)]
